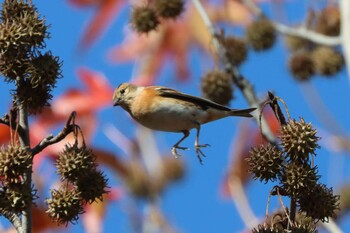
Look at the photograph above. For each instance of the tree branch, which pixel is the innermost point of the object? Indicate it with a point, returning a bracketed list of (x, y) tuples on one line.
[(301, 31), (243, 84), (310, 35), (27, 177), (50, 139), (16, 222)]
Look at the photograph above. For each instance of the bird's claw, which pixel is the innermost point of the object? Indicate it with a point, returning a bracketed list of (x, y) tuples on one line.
[(200, 152), (174, 150)]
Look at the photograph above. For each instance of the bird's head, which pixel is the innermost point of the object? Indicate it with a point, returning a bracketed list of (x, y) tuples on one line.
[(124, 95)]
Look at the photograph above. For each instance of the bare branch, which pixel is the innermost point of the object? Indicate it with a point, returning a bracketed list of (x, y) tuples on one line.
[(50, 139), (310, 35), (301, 31), (16, 222), (243, 84)]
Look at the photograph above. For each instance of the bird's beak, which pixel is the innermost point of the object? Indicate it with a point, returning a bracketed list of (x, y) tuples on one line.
[(116, 102)]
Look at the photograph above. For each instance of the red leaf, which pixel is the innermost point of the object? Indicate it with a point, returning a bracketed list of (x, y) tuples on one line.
[(105, 13)]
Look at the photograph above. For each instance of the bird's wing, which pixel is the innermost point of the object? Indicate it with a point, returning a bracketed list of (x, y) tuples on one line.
[(203, 103)]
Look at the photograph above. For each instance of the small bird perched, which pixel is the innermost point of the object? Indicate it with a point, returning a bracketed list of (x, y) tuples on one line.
[(165, 109)]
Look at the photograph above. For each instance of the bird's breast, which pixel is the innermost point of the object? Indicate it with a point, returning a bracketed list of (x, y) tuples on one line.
[(170, 115)]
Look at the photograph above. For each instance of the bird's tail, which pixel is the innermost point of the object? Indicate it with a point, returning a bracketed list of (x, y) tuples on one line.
[(242, 112)]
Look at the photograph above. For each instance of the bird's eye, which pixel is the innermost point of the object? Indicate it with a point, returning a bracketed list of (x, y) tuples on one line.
[(122, 91)]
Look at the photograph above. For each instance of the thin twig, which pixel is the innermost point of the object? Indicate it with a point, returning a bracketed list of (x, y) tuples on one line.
[(16, 222), (49, 140), (302, 31), (310, 35), (243, 84), (290, 221)]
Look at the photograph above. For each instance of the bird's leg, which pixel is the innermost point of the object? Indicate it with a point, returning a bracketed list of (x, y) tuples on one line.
[(198, 146), (176, 146)]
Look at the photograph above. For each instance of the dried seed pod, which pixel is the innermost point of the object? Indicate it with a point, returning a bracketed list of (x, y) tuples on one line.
[(144, 19), (261, 34), (328, 21), (173, 169), (304, 228), (236, 50), (37, 102), (92, 185), (264, 229), (74, 161), (298, 178), (299, 140), (15, 161), (327, 61), (31, 30), (216, 86), (44, 69), (302, 65), (265, 162), (319, 203), (169, 9), (15, 198), (64, 206)]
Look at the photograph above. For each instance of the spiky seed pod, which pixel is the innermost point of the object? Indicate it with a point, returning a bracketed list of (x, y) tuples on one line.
[(16, 198), (74, 161), (319, 203), (44, 70), (278, 222), (169, 9), (144, 19), (303, 228), (12, 58), (295, 43), (236, 50), (21, 30), (327, 61), (92, 184), (173, 169), (15, 161), (265, 162), (14, 9), (328, 21), (216, 85), (64, 206), (264, 229), (35, 102), (298, 178), (12, 64), (31, 30), (261, 34), (302, 65), (299, 140)]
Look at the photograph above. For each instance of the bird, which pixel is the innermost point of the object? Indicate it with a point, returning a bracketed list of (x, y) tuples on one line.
[(165, 109)]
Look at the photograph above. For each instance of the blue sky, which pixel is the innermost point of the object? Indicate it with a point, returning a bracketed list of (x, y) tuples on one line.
[(195, 204)]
